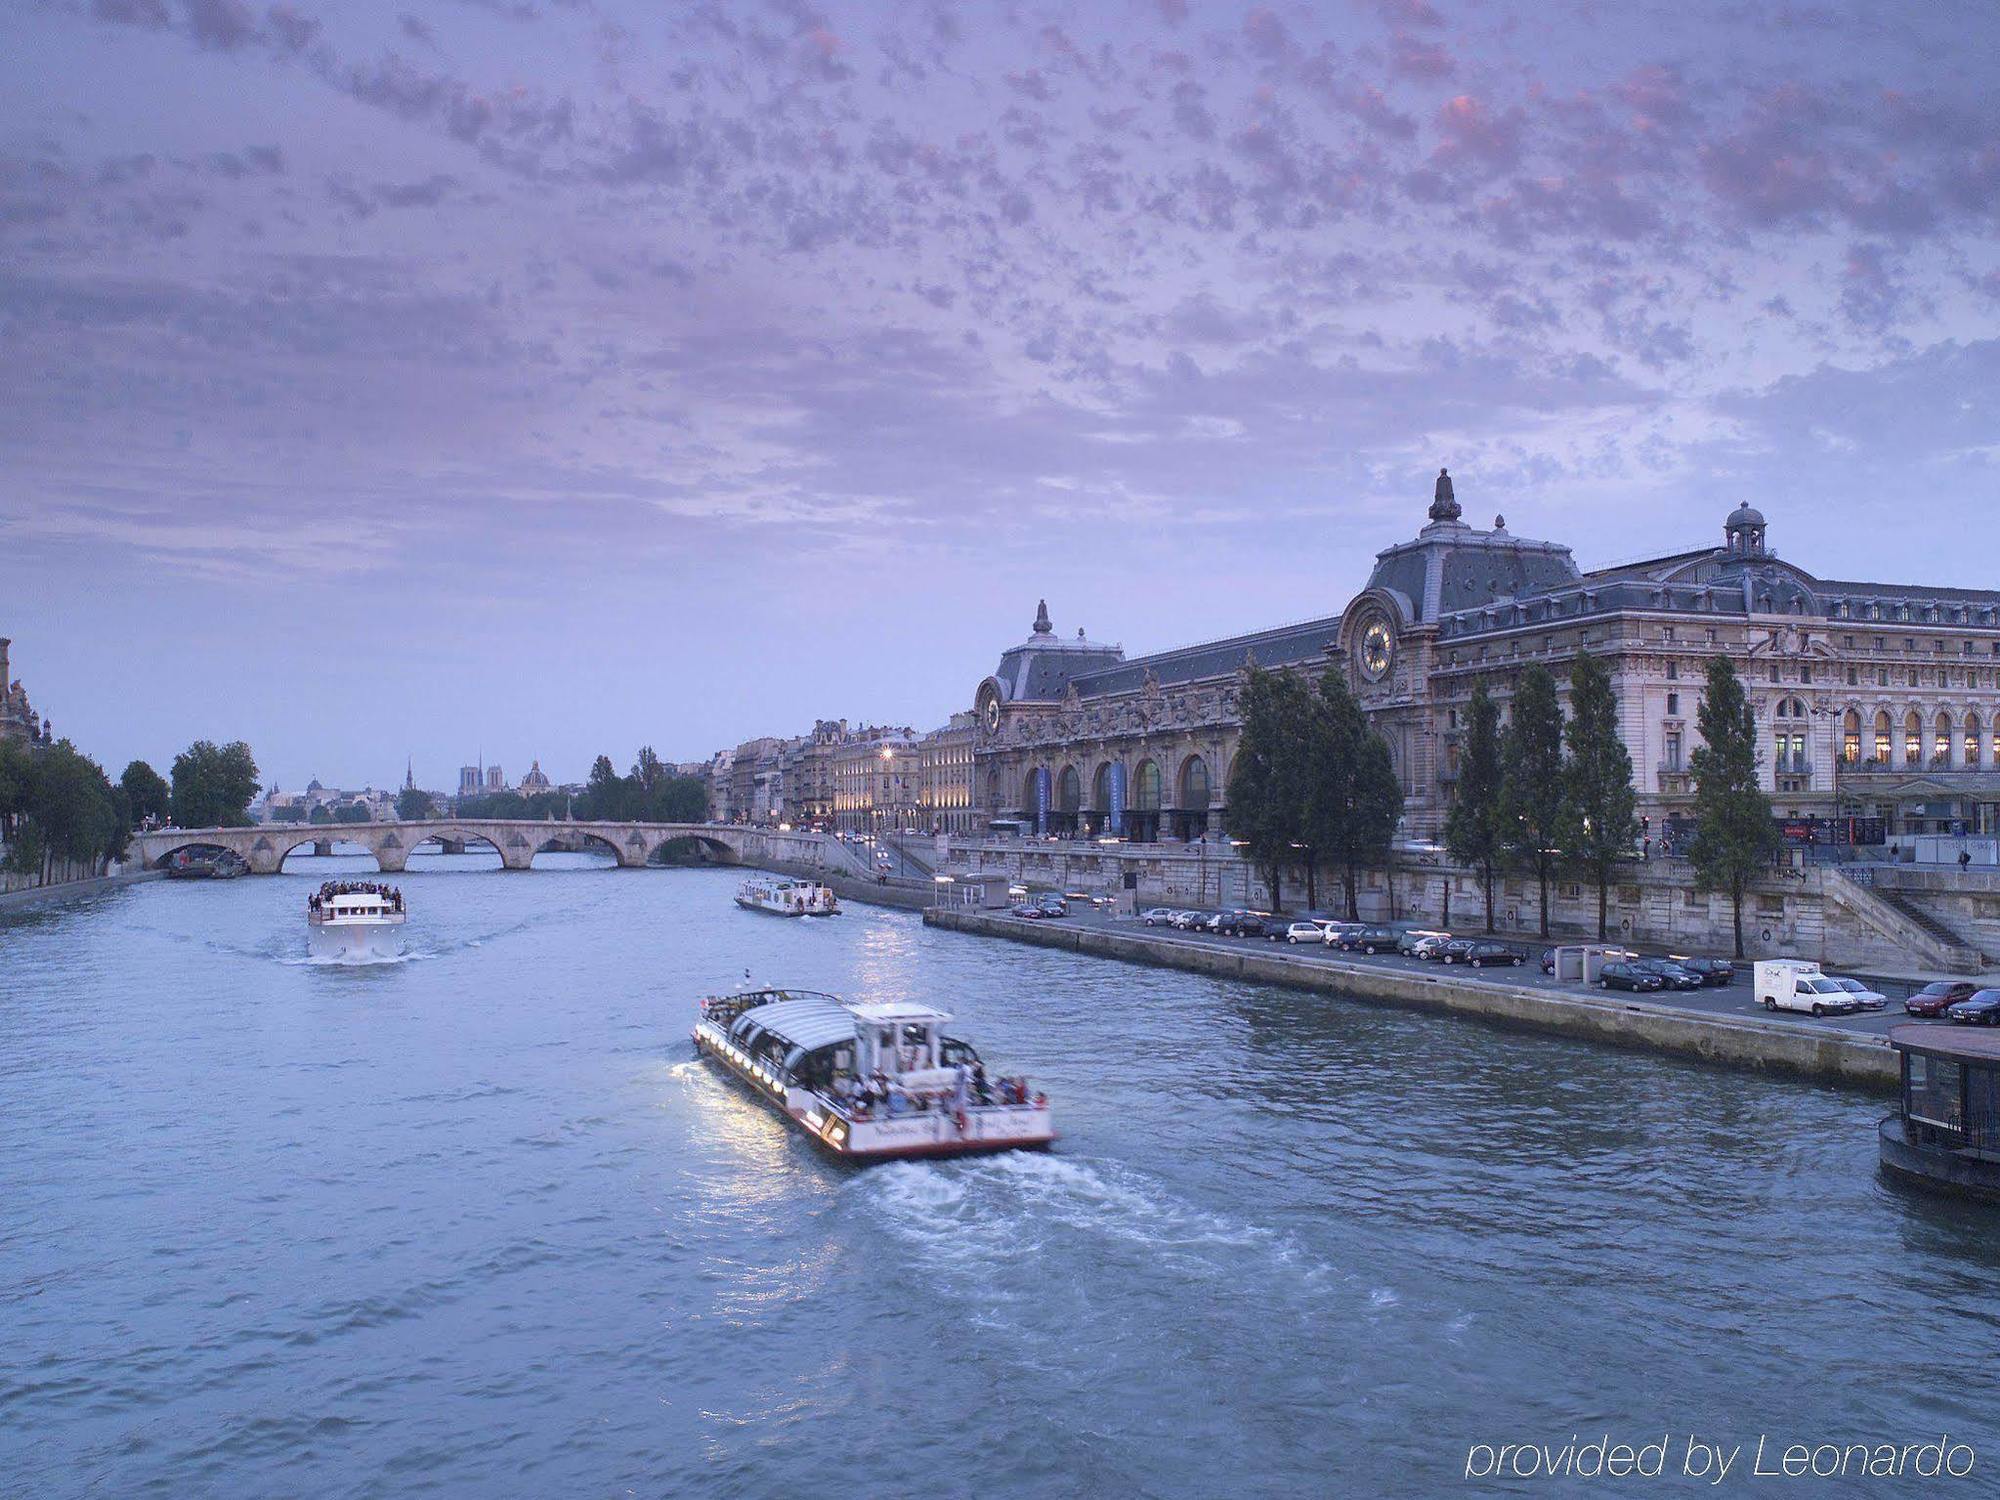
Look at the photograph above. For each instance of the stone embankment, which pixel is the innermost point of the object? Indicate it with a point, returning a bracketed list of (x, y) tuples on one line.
[(1742, 1042)]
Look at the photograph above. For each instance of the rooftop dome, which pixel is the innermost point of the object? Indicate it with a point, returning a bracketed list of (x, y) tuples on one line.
[(1744, 515)]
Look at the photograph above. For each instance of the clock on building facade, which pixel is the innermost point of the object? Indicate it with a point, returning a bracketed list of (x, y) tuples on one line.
[(1378, 649)]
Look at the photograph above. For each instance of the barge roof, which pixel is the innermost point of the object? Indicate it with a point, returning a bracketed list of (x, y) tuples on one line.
[(1982, 1043)]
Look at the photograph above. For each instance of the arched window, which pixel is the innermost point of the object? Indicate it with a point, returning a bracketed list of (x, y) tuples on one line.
[(1974, 755), (1850, 738), (1146, 787), (1100, 789), (1069, 791), (1941, 740), (1194, 789), (1882, 737), (1913, 739)]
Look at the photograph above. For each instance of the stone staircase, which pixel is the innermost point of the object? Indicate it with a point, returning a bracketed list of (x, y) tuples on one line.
[(1934, 944)]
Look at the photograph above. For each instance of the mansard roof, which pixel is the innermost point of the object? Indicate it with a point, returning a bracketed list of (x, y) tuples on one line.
[(1285, 646)]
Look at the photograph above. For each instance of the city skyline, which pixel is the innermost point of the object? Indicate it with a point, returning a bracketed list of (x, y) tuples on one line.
[(569, 378)]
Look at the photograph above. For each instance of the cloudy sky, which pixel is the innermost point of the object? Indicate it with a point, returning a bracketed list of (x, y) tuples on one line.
[(535, 377)]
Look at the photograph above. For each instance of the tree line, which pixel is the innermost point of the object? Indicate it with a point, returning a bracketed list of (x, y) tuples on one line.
[(1547, 795), (1312, 784), (57, 807), (651, 792)]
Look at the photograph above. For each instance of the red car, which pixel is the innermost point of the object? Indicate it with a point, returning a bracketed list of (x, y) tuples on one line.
[(1933, 999)]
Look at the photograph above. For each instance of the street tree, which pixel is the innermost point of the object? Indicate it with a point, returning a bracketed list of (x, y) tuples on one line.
[(1531, 781), (1353, 799), (413, 804), (1472, 830), (1267, 784), (1734, 836), (214, 785), (604, 793), (147, 792), (1600, 809)]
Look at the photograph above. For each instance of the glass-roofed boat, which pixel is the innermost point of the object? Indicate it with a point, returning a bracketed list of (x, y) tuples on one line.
[(870, 1082)]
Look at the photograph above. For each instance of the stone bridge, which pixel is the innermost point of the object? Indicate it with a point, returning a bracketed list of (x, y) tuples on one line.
[(634, 845)]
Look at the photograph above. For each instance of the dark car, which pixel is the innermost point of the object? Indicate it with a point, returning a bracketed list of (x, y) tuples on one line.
[(1981, 1009), (1629, 976), (1485, 951), (1934, 1000), (1548, 960), (1370, 940), (1455, 950), (1714, 972), (1246, 924), (1028, 911), (1052, 905), (1672, 975)]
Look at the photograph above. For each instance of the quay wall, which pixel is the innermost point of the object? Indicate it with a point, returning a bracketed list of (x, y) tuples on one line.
[(1748, 1042), (23, 897)]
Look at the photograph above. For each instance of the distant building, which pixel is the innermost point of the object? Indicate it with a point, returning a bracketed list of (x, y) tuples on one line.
[(469, 779), (944, 777), (534, 781), (19, 724), (875, 778), (496, 779)]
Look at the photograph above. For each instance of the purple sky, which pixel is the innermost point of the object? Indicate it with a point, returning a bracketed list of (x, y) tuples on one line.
[(551, 376)]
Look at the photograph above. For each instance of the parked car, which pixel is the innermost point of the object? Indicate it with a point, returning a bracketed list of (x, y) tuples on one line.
[(1866, 998), (1305, 932), (1714, 972), (1673, 976), (1486, 951), (1335, 929), (1249, 924), (1548, 960), (1455, 950), (1370, 940), (1187, 921), (1157, 916), (1982, 1008), (1411, 940), (1628, 976), (1431, 945), (1028, 911), (1053, 904), (1934, 999)]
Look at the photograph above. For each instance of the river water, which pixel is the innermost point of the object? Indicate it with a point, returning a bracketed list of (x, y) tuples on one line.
[(478, 1224)]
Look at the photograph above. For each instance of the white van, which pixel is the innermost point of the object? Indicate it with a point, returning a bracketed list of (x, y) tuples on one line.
[(1798, 984)]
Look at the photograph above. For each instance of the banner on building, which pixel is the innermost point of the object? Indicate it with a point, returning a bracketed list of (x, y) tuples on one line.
[(1042, 802), (1117, 808)]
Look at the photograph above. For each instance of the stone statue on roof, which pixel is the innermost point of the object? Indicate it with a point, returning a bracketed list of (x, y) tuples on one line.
[(1444, 504), (1042, 625)]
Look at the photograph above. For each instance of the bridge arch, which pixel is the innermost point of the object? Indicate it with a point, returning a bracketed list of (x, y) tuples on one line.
[(691, 848)]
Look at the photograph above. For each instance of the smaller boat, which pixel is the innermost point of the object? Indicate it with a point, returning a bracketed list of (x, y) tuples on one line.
[(870, 1082), (783, 896), (356, 920), (218, 864), (1945, 1134)]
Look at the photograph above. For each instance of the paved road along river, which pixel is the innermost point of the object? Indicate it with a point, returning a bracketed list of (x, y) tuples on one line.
[(477, 1224)]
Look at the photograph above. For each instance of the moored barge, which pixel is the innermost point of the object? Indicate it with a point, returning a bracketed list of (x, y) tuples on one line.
[(783, 896), (1946, 1132), (870, 1082)]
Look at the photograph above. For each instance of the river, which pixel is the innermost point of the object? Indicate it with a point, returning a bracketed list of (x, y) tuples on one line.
[(478, 1224)]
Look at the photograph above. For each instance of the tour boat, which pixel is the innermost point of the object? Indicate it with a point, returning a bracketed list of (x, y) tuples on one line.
[(355, 920), (785, 897), (870, 1082)]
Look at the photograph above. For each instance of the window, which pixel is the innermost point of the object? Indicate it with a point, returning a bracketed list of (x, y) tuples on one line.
[(1673, 750), (1774, 672), (1673, 703), (1973, 746), (1711, 640), (1881, 677), (1853, 678), (1805, 671), (1913, 677), (1850, 738), (1673, 671), (1913, 739), (1882, 738)]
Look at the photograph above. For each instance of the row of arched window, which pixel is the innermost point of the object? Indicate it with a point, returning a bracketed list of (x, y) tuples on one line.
[(1194, 792), (1944, 742)]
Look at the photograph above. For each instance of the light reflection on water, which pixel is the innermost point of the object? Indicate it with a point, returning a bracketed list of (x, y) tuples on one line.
[(478, 1224)]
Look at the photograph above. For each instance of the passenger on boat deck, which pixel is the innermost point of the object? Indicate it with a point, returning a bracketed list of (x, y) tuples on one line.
[(961, 1090), (979, 1088)]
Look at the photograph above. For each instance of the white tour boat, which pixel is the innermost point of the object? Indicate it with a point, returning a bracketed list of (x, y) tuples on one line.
[(357, 920), (785, 897), (870, 1082)]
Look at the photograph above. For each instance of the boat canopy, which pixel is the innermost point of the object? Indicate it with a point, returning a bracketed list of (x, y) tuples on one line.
[(807, 1023), (901, 1010)]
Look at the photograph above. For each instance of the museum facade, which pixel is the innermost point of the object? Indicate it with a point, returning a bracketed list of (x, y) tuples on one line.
[(1874, 701)]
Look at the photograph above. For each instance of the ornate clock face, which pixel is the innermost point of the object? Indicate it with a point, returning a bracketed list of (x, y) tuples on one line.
[(990, 711), (1378, 650)]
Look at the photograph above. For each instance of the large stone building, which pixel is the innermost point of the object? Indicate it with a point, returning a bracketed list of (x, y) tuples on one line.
[(1874, 700), (945, 801), (18, 719), (874, 779)]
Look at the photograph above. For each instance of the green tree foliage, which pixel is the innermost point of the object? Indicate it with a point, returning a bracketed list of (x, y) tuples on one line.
[(16, 773), (1734, 836), (320, 816), (414, 804), (1531, 779), (146, 792), (650, 793), (351, 812), (1600, 810), (1267, 784), (65, 808), (1353, 799), (603, 798), (213, 785), (1472, 829)]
